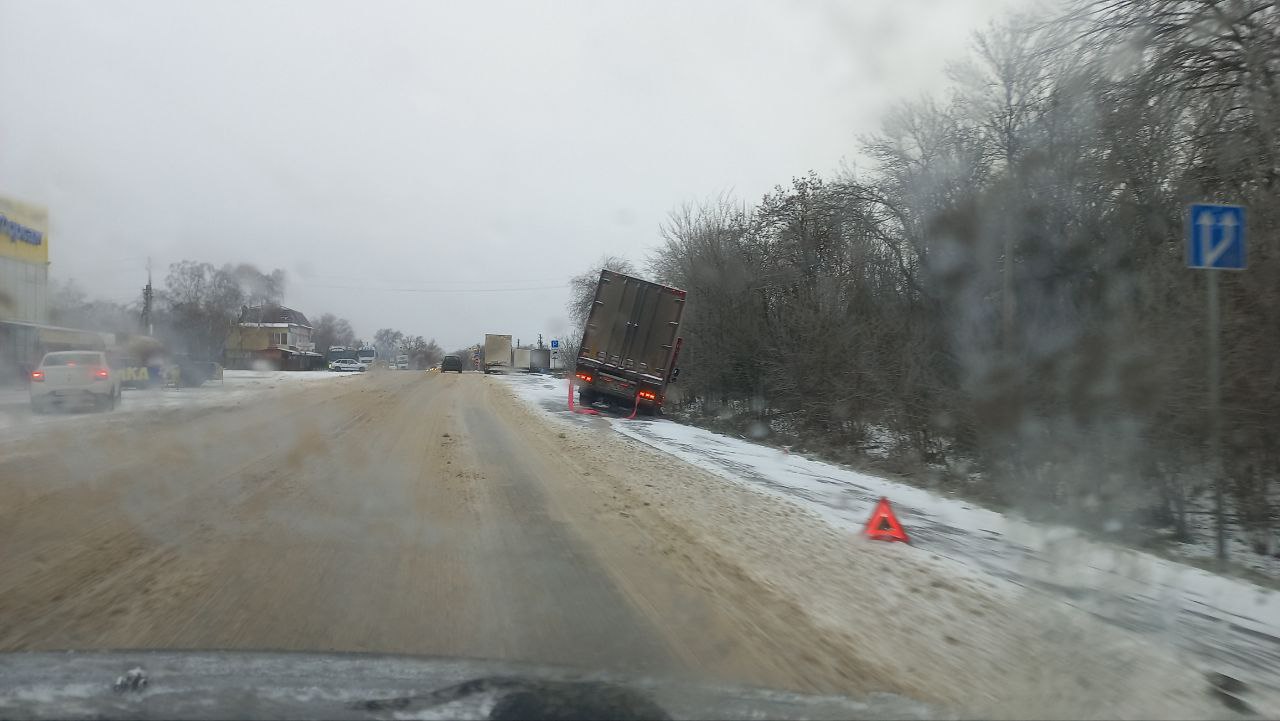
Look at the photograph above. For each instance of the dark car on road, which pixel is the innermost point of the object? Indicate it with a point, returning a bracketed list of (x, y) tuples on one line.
[(451, 363)]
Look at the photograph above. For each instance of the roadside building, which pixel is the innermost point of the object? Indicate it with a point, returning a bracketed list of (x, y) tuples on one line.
[(25, 333), (275, 336), (24, 262)]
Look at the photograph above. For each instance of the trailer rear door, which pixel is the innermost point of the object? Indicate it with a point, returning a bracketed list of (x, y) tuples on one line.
[(633, 325)]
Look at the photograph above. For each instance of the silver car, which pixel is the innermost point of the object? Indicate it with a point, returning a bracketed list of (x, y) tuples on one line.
[(347, 364)]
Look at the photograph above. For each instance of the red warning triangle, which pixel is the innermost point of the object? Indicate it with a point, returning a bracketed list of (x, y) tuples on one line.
[(884, 526)]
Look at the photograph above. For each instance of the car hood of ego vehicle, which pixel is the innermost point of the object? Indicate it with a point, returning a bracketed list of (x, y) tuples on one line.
[(285, 685)]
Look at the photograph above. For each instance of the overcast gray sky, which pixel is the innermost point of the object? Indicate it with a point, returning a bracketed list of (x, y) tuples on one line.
[(440, 168)]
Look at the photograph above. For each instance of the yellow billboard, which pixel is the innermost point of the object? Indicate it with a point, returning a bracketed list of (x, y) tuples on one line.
[(24, 231)]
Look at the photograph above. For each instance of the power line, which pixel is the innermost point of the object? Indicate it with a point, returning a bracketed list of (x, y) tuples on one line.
[(358, 279), (433, 290)]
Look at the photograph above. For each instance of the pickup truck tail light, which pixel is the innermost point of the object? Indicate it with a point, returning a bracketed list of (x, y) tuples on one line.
[(102, 373), (37, 376)]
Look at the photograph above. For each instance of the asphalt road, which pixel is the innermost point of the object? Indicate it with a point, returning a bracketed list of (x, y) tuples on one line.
[(410, 512), (399, 512)]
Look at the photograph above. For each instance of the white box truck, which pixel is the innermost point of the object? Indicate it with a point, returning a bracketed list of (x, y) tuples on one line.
[(497, 353), (540, 360)]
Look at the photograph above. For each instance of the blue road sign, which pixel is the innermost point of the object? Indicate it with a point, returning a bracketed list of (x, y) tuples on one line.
[(1215, 236), (555, 343)]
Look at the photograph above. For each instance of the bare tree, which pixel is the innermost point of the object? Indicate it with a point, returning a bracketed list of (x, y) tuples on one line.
[(201, 303), (388, 341), (330, 331), (422, 353), (70, 306), (1053, 174), (582, 287)]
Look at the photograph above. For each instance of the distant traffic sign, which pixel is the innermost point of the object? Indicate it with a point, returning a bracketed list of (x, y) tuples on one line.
[(555, 343), (1215, 237)]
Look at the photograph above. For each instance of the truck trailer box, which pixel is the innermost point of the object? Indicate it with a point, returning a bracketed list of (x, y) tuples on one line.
[(497, 353), (631, 342)]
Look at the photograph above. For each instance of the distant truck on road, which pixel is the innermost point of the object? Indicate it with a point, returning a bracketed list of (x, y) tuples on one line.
[(337, 352), (631, 343), (540, 360), (497, 353)]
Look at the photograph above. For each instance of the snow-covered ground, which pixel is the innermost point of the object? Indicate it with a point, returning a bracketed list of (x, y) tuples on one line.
[(1217, 623), (235, 388)]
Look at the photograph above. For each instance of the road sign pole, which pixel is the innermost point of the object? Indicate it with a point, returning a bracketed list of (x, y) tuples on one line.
[(1216, 242), (1215, 441)]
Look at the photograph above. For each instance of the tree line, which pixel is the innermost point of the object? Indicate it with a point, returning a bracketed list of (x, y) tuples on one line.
[(1000, 292), (194, 309), (422, 353)]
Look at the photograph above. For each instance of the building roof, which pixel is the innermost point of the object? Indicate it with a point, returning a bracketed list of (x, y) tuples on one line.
[(272, 315)]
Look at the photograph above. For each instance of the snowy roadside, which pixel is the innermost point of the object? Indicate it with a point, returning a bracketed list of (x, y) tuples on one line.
[(1215, 623), (237, 387)]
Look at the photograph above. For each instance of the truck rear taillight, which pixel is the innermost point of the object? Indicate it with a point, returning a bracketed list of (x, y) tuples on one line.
[(37, 376), (648, 395), (584, 377), (102, 373)]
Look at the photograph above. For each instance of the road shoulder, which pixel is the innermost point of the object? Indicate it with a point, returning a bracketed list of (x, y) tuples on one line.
[(821, 610)]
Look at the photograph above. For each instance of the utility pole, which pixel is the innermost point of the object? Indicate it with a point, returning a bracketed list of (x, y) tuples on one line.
[(147, 295)]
